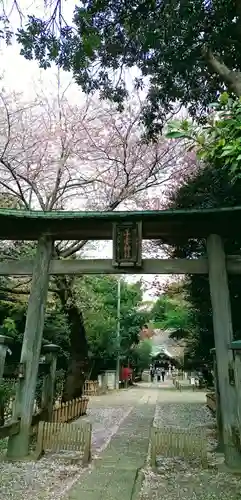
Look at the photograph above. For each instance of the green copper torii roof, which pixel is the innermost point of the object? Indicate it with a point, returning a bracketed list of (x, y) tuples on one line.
[(163, 224)]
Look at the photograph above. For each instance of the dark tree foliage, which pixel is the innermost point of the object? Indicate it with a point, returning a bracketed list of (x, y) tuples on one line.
[(188, 49), (209, 188)]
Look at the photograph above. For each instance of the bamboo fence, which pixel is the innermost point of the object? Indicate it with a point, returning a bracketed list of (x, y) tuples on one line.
[(62, 413), (91, 388), (176, 442), (65, 412), (59, 437)]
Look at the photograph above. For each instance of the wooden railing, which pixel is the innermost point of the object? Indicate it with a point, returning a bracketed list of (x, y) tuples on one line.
[(71, 410), (91, 388), (9, 429), (65, 412), (58, 437), (177, 442)]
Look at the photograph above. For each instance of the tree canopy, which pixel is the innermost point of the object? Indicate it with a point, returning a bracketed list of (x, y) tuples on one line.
[(172, 310), (43, 143), (215, 182), (98, 298), (186, 51), (218, 142), (210, 186), (141, 355)]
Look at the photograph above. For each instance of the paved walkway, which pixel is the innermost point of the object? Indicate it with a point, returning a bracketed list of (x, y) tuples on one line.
[(116, 474)]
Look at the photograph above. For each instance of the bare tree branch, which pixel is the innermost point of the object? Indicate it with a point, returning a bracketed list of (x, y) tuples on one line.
[(57, 156)]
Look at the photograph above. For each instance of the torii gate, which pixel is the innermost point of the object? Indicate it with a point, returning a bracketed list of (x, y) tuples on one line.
[(127, 229)]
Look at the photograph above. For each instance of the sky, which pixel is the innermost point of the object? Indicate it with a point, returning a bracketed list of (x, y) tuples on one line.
[(25, 77)]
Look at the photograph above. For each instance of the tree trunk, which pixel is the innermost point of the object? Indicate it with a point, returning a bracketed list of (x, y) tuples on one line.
[(231, 78), (78, 360)]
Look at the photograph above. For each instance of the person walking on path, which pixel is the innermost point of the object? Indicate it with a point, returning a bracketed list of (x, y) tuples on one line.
[(163, 373), (192, 381)]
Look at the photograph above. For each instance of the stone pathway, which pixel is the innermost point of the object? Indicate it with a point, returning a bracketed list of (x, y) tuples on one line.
[(121, 471), (51, 477), (120, 464), (121, 424), (116, 474)]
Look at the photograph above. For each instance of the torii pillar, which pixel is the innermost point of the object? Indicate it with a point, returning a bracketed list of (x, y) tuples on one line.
[(18, 445), (223, 335)]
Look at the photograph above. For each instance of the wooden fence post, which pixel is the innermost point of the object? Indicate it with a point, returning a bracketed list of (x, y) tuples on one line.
[(66, 410), (153, 447), (223, 334), (87, 445), (18, 445), (39, 446), (51, 353)]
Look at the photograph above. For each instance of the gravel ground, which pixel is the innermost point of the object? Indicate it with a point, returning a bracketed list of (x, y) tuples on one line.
[(183, 414), (176, 478), (35, 480), (48, 478)]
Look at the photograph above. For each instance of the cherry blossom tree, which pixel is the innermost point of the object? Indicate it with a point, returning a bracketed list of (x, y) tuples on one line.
[(56, 156)]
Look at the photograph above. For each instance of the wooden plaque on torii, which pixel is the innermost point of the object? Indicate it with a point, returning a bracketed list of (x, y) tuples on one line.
[(127, 244)]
